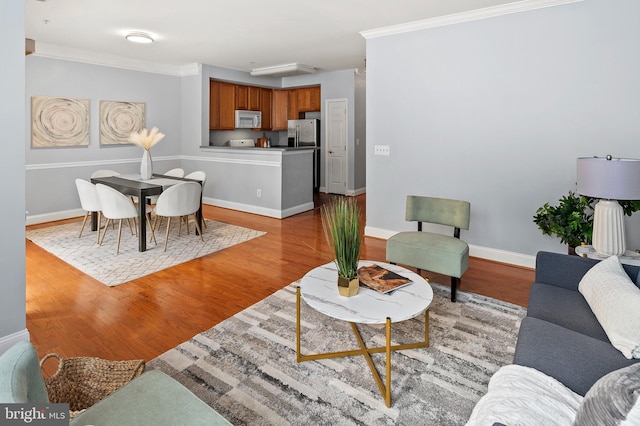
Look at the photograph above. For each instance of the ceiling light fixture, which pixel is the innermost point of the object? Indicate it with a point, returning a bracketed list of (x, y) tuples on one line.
[(139, 37), (283, 70)]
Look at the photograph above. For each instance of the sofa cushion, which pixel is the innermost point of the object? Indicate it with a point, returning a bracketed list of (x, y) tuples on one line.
[(613, 400), (513, 388), (566, 308), (578, 361), (153, 398), (20, 377), (614, 299)]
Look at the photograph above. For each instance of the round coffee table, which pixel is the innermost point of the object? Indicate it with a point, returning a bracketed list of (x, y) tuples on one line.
[(318, 288)]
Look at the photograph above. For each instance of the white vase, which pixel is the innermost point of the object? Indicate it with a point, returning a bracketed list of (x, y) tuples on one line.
[(146, 165)]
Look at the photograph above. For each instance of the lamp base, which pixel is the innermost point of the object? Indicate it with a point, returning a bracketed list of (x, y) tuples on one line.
[(608, 228)]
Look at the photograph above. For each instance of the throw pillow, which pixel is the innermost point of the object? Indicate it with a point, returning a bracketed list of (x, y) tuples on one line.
[(614, 300), (612, 400)]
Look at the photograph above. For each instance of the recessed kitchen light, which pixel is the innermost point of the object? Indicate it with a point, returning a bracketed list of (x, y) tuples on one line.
[(139, 37)]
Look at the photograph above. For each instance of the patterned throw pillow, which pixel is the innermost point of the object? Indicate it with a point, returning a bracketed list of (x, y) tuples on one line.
[(612, 400), (614, 300)]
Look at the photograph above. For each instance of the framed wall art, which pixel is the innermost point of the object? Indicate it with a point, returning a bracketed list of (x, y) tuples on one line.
[(118, 120), (59, 122)]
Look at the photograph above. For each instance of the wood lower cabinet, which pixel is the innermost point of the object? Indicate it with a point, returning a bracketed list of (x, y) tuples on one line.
[(279, 109), (222, 103)]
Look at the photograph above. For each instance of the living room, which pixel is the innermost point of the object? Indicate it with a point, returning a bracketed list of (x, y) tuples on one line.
[(518, 96)]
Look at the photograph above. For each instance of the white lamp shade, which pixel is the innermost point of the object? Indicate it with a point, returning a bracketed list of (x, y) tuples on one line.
[(612, 179)]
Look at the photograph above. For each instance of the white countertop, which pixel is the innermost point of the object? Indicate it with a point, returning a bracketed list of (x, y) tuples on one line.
[(319, 289)]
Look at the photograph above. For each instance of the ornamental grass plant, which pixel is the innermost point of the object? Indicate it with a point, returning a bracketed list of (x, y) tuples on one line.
[(341, 225)]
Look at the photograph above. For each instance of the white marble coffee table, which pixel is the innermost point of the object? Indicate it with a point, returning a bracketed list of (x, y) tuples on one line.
[(319, 290)]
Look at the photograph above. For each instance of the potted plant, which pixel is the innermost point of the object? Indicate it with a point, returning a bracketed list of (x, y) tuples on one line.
[(341, 225), (571, 220)]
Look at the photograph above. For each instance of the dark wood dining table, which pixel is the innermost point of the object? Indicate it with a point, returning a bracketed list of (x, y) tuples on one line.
[(142, 190)]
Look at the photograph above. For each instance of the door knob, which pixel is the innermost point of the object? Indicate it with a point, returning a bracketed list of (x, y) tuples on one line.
[(330, 152)]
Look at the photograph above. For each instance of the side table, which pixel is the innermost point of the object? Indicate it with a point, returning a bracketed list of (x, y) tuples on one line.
[(319, 290), (629, 258)]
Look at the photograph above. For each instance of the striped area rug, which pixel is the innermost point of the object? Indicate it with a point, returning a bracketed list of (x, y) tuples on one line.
[(245, 367)]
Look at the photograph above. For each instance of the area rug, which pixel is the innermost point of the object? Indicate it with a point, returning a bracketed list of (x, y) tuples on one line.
[(245, 367), (102, 263)]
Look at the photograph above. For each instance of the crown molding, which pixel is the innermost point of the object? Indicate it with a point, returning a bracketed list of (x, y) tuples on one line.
[(457, 18), (55, 51)]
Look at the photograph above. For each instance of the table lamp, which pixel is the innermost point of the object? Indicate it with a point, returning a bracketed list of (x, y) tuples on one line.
[(609, 179)]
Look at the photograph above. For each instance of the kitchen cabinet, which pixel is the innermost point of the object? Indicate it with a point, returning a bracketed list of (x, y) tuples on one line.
[(247, 98), (308, 99), (292, 106), (279, 109), (222, 101), (266, 108)]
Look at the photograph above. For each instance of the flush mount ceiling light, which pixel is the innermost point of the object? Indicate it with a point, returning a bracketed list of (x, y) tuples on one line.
[(139, 37), (283, 70)]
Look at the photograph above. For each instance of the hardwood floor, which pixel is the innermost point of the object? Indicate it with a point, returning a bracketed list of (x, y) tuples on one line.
[(72, 314)]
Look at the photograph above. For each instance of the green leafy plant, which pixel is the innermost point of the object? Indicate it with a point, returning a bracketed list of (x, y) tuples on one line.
[(341, 225), (571, 220)]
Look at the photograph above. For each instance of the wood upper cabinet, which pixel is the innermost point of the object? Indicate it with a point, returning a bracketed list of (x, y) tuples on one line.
[(265, 108), (247, 98), (279, 109), (308, 99), (254, 97), (292, 106), (222, 100)]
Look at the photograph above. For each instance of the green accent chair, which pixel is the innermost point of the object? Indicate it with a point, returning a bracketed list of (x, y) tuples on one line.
[(431, 251), (21, 381)]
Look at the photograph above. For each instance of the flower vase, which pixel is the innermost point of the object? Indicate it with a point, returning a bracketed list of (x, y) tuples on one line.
[(348, 287), (146, 165)]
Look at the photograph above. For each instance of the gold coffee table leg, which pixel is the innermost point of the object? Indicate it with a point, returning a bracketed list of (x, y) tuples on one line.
[(385, 388)]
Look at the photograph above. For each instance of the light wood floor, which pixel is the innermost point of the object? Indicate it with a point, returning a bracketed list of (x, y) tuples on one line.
[(72, 314)]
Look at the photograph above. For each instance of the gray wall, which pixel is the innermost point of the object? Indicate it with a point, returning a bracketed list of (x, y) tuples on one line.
[(496, 111), (51, 171), (12, 251)]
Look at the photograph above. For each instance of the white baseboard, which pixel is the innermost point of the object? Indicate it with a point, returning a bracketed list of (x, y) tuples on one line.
[(50, 217), (7, 341), (497, 255), (263, 211)]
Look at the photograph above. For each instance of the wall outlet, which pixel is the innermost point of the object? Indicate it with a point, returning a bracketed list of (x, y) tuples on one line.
[(259, 193), (381, 150)]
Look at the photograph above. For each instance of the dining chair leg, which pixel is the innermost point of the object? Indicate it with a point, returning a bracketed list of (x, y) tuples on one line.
[(195, 220), (153, 234), (119, 235), (166, 236), (98, 233), (86, 215), (106, 227)]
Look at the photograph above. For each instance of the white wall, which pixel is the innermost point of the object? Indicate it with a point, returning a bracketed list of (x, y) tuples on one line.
[(12, 250), (496, 111)]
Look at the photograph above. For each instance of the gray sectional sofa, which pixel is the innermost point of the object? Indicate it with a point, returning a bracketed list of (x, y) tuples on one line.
[(560, 336), (566, 371)]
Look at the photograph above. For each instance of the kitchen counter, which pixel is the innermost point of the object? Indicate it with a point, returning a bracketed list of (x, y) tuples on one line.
[(257, 148), (275, 181)]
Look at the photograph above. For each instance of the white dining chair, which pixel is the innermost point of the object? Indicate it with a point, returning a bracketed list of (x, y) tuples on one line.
[(104, 173), (202, 177), (117, 206), (90, 203), (177, 172), (178, 200)]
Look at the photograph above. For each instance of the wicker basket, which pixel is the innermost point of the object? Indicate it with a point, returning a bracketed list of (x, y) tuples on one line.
[(83, 381)]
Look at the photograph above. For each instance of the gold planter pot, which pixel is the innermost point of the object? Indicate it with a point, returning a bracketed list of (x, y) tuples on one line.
[(348, 287)]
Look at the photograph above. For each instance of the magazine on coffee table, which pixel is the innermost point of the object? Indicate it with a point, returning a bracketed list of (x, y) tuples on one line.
[(381, 279)]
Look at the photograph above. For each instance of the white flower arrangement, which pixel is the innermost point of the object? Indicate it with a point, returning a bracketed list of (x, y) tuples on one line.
[(146, 139)]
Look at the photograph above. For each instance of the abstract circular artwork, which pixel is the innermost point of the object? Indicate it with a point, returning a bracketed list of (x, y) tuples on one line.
[(118, 120), (59, 122)]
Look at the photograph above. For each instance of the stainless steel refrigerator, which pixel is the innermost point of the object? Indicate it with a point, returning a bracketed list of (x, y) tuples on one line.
[(306, 133)]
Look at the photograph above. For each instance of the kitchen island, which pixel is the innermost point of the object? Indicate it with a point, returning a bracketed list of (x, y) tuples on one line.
[(275, 182)]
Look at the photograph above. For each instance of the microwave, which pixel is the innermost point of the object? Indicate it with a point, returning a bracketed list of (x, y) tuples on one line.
[(248, 119)]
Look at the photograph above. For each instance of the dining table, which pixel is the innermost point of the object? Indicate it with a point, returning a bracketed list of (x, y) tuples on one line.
[(134, 185)]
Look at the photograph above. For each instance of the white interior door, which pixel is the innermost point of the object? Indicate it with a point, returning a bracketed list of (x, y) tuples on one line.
[(336, 139)]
